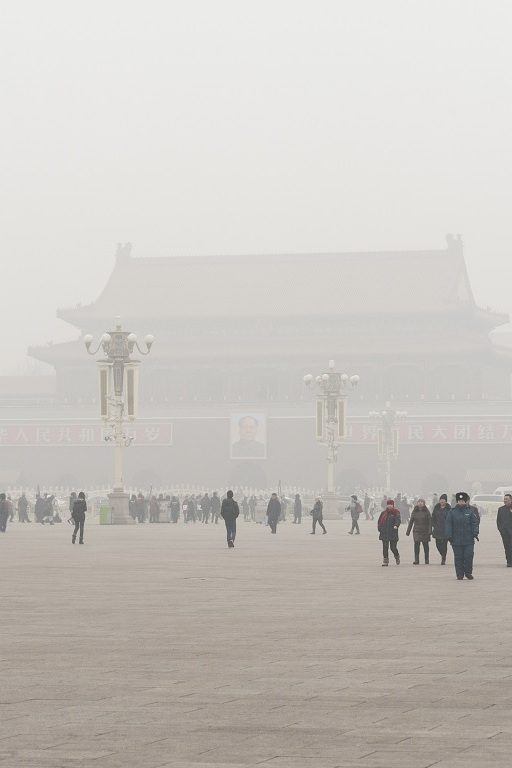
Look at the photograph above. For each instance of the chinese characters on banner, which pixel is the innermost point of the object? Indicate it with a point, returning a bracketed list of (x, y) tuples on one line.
[(438, 432), (413, 432), (75, 434)]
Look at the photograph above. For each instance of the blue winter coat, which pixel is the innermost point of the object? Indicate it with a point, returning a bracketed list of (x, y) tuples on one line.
[(462, 525)]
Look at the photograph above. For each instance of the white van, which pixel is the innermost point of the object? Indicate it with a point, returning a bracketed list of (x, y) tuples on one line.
[(503, 489)]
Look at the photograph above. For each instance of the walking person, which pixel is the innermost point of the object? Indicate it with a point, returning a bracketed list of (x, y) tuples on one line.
[(318, 516), (438, 526), (297, 510), (253, 503), (230, 511), (245, 508), (215, 507), (72, 499), (154, 510), (141, 508), (355, 510), (504, 525), (132, 507), (39, 509), (206, 505), (404, 508), (78, 515), (4, 513), (23, 509), (421, 526), (273, 512), (366, 506), (462, 528), (387, 525), (175, 509)]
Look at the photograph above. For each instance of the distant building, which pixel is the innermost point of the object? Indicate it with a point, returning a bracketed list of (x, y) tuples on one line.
[(222, 393)]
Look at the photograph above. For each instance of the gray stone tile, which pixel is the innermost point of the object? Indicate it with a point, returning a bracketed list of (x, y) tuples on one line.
[(156, 647)]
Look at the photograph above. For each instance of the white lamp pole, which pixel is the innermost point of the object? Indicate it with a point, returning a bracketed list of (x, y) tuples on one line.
[(332, 394), (118, 383), (388, 438)]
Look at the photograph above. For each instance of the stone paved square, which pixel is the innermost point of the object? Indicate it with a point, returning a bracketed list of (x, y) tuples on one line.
[(157, 646)]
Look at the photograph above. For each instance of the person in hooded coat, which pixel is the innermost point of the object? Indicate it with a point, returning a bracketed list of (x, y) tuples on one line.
[(421, 526), (438, 526), (273, 512), (387, 525), (230, 511)]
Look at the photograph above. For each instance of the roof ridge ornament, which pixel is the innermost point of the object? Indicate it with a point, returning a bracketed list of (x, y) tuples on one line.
[(123, 252), (454, 243)]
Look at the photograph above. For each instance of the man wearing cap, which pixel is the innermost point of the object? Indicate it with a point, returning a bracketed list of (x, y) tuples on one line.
[(438, 526), (504, 524), (461, 529), (355, 510)]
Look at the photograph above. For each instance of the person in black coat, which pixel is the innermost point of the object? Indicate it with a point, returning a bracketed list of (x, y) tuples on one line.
[(504, 525), (273, 512), (78, 515), (297, 510), (4, 513), (438, 526), (317, 514), (230, 511), (388, 524)]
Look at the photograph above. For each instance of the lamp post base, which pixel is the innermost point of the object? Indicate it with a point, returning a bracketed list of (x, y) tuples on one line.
[(120, 508), (334, 506)]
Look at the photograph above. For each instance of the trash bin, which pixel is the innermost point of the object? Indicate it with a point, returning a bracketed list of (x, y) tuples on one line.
[(105, 516)]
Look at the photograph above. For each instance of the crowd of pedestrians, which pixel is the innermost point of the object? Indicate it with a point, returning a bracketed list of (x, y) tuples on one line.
[(455, 524)]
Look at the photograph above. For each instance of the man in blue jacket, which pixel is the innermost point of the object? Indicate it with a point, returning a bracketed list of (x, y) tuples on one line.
[(462, 528)]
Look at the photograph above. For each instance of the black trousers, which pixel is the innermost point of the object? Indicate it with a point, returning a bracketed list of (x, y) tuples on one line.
[(417, 550), (506, 537), (320, 523), (273, 524), (442, 547), (79, 524), (463, 559), (355, 526), (386, 546)]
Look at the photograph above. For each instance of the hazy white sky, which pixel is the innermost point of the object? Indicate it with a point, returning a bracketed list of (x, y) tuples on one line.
[(225, 126)]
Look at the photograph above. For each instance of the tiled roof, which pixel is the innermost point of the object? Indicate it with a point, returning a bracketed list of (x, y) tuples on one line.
[(405, 283)]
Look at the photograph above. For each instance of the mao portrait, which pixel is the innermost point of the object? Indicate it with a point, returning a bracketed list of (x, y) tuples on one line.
[(248, 436)]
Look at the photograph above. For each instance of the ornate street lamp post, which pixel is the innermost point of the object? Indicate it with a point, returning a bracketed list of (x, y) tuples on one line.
[(388, 438), (118, 385), (332, 393)]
